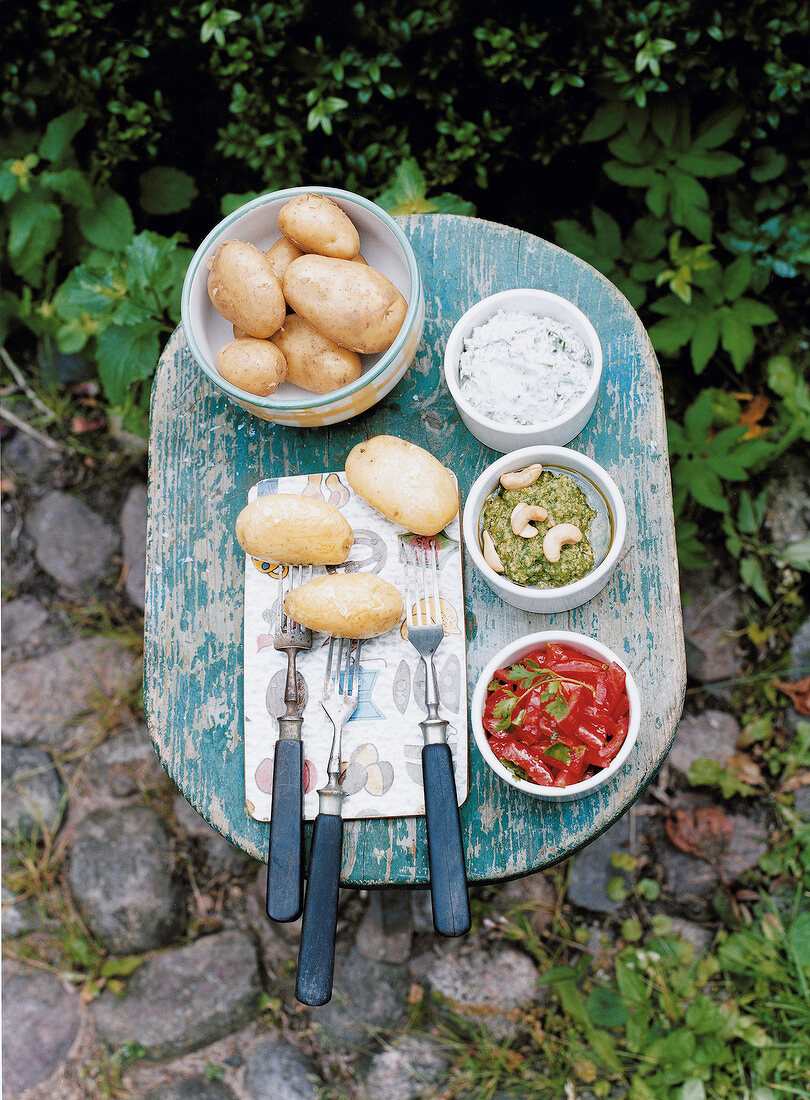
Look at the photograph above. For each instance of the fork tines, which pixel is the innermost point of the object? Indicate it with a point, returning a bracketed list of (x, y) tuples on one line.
[(296, 576), (347, 662), (422, 583)]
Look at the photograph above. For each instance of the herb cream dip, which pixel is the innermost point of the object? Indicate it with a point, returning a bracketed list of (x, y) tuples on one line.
[(523, 368)]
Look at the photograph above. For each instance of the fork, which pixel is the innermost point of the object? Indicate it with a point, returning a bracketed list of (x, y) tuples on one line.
[(285, 856), (316, 955), (448, 877)]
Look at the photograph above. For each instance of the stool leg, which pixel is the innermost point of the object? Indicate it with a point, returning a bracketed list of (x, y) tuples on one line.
[(386, 930)]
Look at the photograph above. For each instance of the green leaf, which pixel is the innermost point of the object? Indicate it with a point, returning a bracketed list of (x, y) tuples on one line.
[(628, 175), (698, 419), (126, 355), (705, 772), (606, 1007), (796, 554), (737, 277), (34, 229), (121, 967), (608, 233), (706, 487), (752, 577), (709, 165), (59, 134), (663, 120), (705, 341), (799, 939), (737, 339), (697, 221), (230, 202), (87, 292), (71, 185), (719, 127), (166, 191), (670, 335), (752, 312), (628, 151), (747, 520), (109, 226), (607, 120)]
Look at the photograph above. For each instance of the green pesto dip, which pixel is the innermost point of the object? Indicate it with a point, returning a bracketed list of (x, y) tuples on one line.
[(523, 559)]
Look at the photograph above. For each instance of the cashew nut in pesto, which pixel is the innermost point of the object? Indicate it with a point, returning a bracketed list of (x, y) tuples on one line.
[(562, 534), (521, 479), (521, 516)]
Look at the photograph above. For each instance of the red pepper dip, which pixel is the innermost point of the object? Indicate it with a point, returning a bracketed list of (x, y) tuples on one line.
[(557, 717)]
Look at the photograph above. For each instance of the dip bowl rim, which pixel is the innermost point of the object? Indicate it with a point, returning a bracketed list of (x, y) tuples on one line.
[(529, 597), (514, 652)]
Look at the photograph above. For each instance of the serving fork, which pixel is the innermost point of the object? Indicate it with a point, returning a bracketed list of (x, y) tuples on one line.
[(316, 955), (285, 857), (448, 876)]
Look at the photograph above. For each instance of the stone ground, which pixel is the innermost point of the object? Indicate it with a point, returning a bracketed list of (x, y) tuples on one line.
[(128, 920)]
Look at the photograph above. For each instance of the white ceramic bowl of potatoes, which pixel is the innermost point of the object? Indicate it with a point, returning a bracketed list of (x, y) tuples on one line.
[(309, 343)]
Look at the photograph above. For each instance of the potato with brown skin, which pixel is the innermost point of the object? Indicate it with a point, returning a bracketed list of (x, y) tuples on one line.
[(346, 605), (294, 530), (281, 255), (256, 366), (403, 482), (353, 305), (243, 287), (314, 362), (315, 223)]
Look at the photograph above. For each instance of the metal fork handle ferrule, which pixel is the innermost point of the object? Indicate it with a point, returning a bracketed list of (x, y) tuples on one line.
[(331, 801), (289, 727), (434, 730)]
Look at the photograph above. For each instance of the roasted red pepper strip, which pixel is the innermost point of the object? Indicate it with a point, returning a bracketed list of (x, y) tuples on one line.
[(524, 758)]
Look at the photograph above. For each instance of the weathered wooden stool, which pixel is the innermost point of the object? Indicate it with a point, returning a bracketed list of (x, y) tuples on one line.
[(206, 452)]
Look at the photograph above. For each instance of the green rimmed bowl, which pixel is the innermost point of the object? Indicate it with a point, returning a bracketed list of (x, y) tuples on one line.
[(383, 245)]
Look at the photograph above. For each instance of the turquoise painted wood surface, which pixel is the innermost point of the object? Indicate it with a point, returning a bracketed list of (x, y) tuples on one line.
[(205, 453)]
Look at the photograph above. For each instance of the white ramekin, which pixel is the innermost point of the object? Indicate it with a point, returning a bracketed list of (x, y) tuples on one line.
[(501, 435)]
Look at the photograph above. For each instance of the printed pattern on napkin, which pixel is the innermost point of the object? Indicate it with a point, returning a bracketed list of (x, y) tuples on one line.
[(381, 757)]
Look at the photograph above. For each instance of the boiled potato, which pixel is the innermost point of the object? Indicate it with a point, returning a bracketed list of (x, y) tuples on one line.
[(256, 366), (404, 482), (316, 224), (244, 289), (294, 530), (346, 605), (314, 362), (281, 255), (354, 305)]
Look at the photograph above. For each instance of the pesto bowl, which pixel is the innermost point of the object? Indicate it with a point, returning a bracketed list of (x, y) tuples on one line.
[(514, 653), (384, 246), (504, 434), (607, 533)]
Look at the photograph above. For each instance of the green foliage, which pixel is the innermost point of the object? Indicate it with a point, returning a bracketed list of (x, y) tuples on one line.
[(717, 313), (629, 263), (85, 279), (703, 460), (407, 194), (655, 150), (705, 772)]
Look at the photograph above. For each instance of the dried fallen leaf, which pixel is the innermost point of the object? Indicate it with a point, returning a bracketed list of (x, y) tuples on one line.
[(415, 994), (80, 424), (795, 783), (750, 416), (704, 832), (744, 768), (798, 692)]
